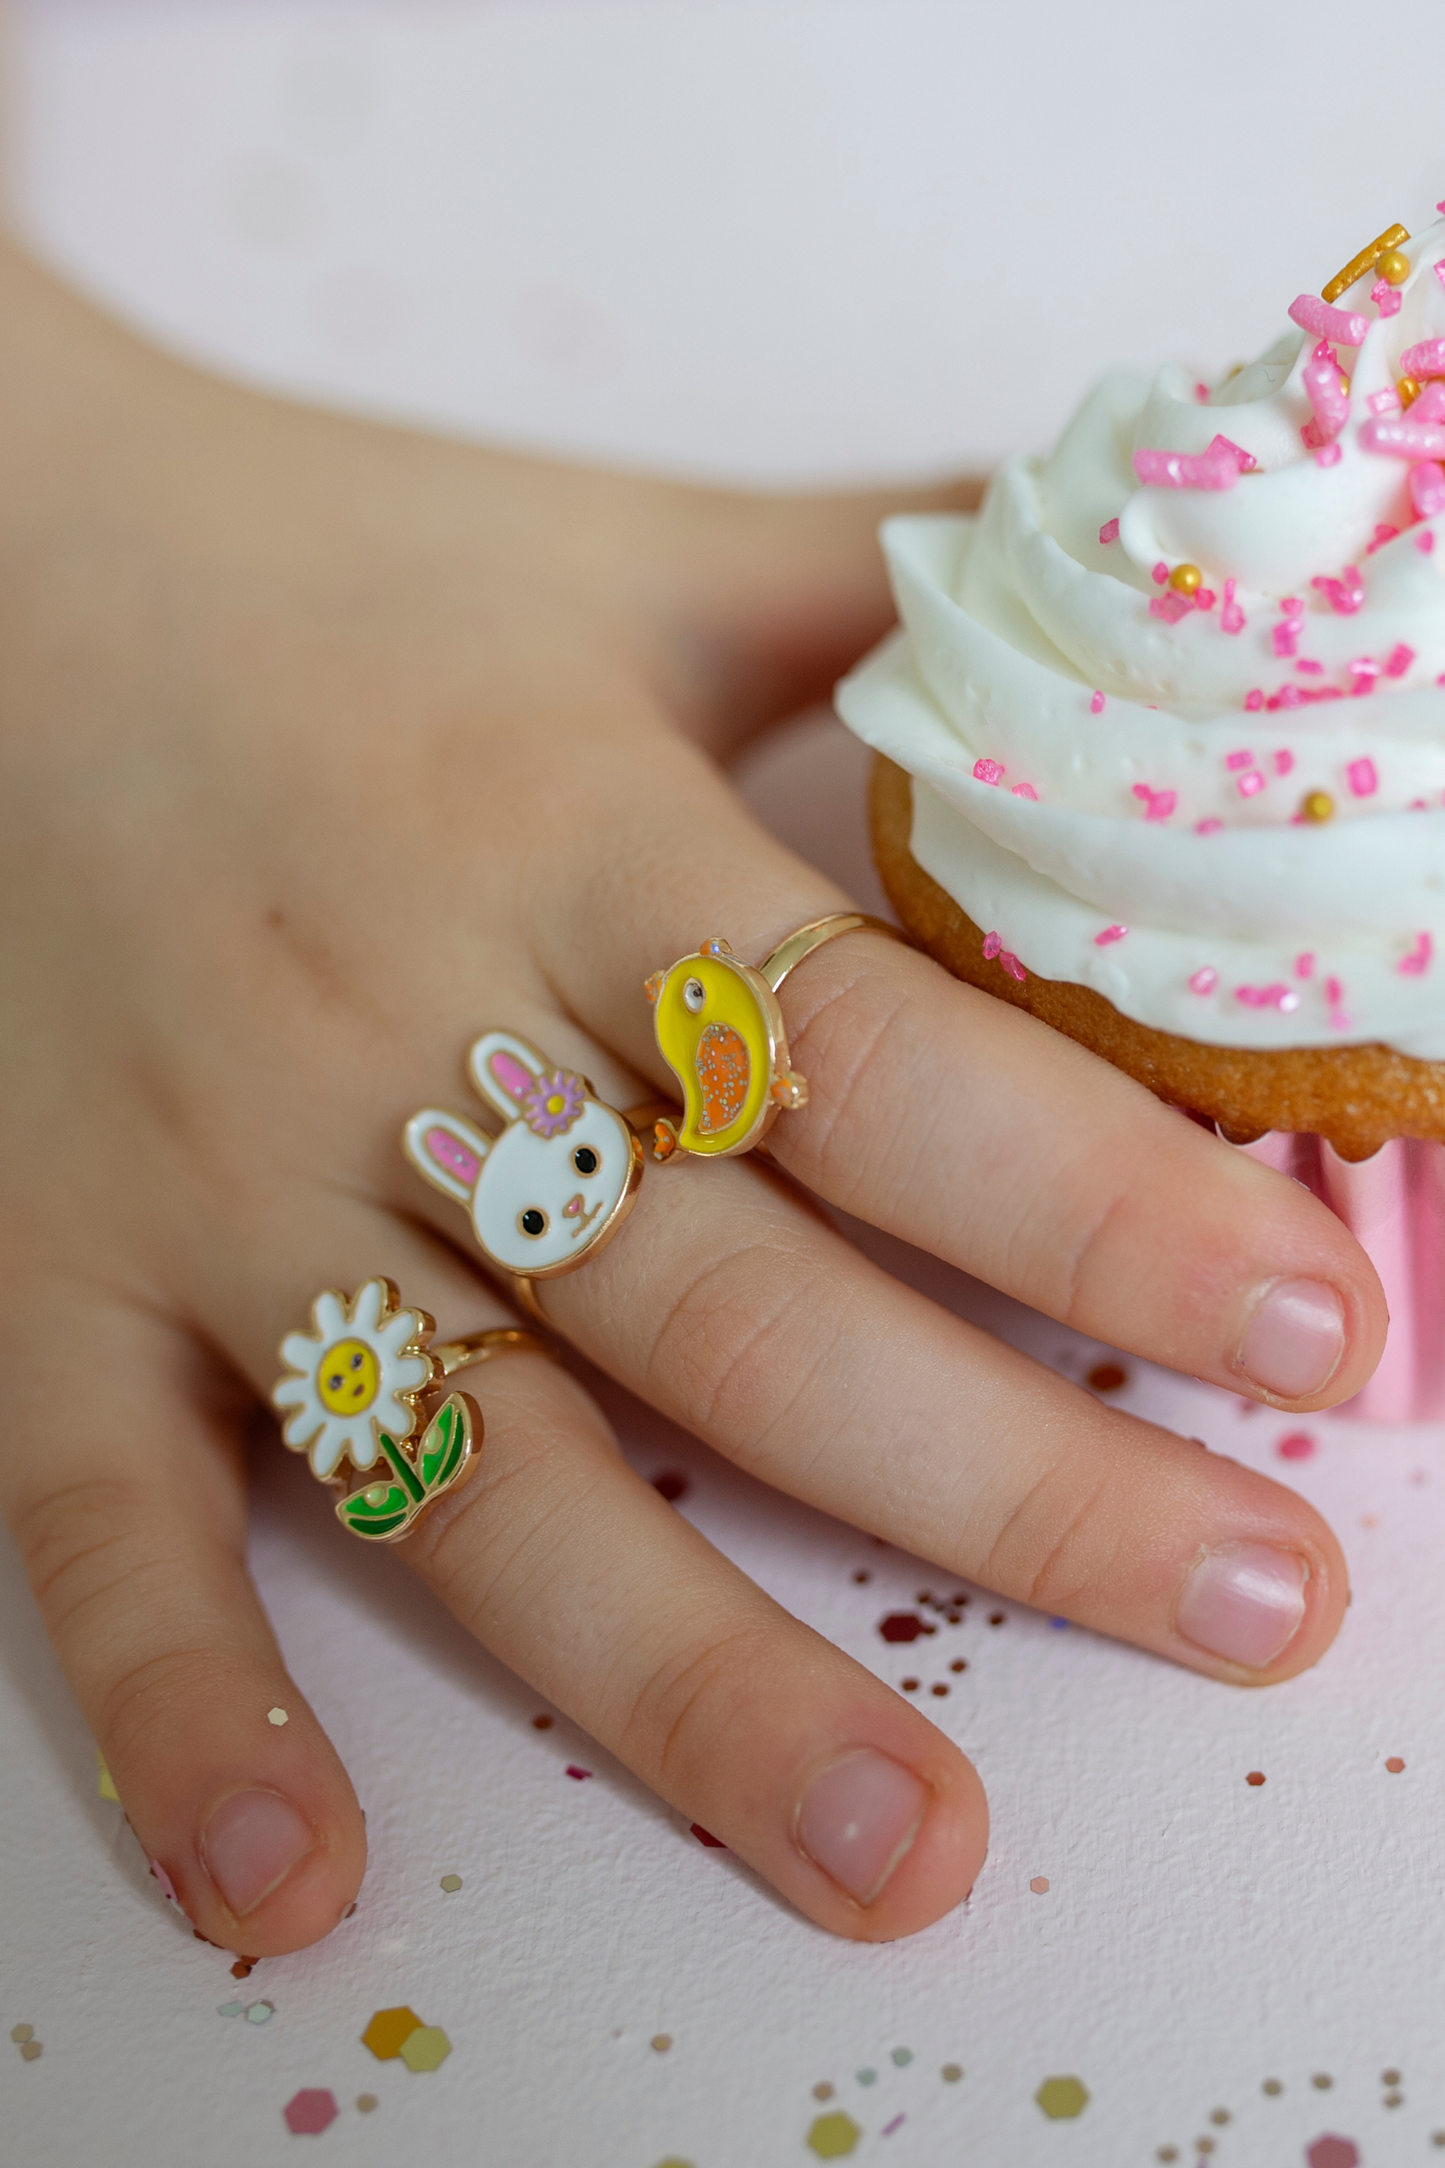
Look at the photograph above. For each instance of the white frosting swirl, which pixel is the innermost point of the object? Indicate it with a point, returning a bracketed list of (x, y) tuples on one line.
[(1172, 808)]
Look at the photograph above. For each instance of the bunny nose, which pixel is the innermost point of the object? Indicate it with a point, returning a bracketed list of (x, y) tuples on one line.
[(573, 1206)]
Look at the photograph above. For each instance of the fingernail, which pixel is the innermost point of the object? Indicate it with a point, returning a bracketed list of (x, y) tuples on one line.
[(251, 1843), (1244, 1605), (1293, 1343), (858, 1819)]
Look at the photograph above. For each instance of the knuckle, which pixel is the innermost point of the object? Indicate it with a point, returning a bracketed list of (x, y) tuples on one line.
[(839, 1050), (677, 1722), (726, 1336), (1056, 1544)]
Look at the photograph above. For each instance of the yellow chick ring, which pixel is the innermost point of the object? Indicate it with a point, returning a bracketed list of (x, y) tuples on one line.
[(720, 1030)]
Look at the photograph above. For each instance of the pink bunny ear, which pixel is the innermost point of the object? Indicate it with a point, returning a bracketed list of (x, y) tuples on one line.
[(514, 1077), (447, 1150)]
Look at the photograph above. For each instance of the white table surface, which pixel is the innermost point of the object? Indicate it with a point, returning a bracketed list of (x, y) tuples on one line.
[(782, 241)]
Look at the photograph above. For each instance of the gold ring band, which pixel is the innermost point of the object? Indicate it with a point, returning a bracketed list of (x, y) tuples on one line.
[(789, 954), (473, 1348)]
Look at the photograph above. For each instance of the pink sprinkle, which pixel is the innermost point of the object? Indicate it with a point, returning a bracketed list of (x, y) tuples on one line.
[(1210, 827), (1344, 596), (574, 1771), (1427, 488), (1170, 607), (1244, 460), (1329, 455), (1189, 470), (1268, 997), (1398, 661), (1204, 598), (1231, 617), (1204, 980), (1201, 393), (1254, 700), (1304, 964), (1096, 705), (1235, 761), (168, 1887), (1326, 394), (1286, 637), (1403, 439), (1384, 402), (1363, 780), (1426, 359), (1160, 574), (896, 2124), (1110, 933), (1311, 436), (1158, 804), (1025, 790), (1364, 670), (1430, 406), (1334, 992), (1308, 666), (1387, 298), (1012, 966), (1382, 535), (1109, 532), (1283, 760), (987, 771), (1425, 541), (1292, 606), (991, 946), (1312, 314), (1299, 1445), (1418, 959), (1250, 786)]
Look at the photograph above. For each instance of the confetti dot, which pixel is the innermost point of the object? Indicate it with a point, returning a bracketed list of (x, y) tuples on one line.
[(671, 1484), (278, 1717), (862, 1576), (31, 2051), (1390, 2077), (951, 2073), (1166, 2152), (1322, 2081), (451, 1882), (230, 2009), (1108, 1377), (997, 1618), (579, 1774), (833, 2136), (866, 2076), (1273, 2087), (902, 2056), (258, 2012), (1204, 2144), (1219, 2117), (960, 1663), (1298, 1445), (823, 2091), (903, 1626), (243, 1968), (21, 2033), (1394, 2100), (168, 1887), (940, 1690), (426, 2048), (541, 1723), (705, 1836), (661, 2042), (1333, 2152), (896, 2124), (1437, 2137), (310, 2111), (104, 1780), (911, 1686), (1062, 2098), (387, 2030), (1394, 1765), (366, 2102), (1040, 1885), (1255, 1777)]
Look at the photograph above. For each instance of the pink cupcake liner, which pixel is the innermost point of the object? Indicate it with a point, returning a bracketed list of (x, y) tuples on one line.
[(1394, 1205)]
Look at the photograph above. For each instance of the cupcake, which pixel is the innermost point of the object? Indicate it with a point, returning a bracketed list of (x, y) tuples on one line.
[(1162, 751)]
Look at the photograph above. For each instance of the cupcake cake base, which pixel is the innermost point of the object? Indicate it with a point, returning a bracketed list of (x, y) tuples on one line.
[(1356, 1098)]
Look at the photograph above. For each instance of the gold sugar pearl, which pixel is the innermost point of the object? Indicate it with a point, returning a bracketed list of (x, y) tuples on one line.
[(1317, 805), (1408, 390), (1393, 266), (1186, 579)]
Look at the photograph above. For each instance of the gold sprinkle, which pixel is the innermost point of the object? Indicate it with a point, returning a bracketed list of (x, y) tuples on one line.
[(451, 1881), (1317, 805), (1204, 2145), (1393, 266), (21, 2033), (1273, 2087), (1365, 261), (1186, 579), (1322, 2081), (1389, 2077), (366, 2102), (1394, 2100), (1408, 390), (662, 2042), (951, 2073), (1220, 2116)]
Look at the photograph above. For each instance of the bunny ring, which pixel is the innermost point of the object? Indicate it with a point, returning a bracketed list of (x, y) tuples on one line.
[(352, 1397), (554, 1187), (720, 1030)]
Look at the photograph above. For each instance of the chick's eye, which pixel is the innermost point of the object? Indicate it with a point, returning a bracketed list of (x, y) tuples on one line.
[(533, 1221), (694, 994), (585, 1160)]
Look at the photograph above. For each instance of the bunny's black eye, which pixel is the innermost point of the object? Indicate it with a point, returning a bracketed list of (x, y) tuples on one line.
[(533, 1221), (585, 1160)]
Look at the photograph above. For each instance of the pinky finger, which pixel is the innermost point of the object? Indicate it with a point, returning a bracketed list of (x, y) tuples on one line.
[(132, 1526)]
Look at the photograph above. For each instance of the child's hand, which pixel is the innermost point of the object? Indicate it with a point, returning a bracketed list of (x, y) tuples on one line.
[(327, 746)]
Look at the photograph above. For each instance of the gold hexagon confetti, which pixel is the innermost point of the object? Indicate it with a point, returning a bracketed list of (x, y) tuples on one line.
[(278, 1717), (425, 2049), (451, 1883), (1062, 2098), (21, 2033), (388, 2030), (834, 2136), (32, 2050), (104, 1780)]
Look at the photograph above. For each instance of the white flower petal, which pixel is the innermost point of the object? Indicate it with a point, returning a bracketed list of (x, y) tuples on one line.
[(299, 1428), (302, 1351), (291, 1393), (329, 1316), (328, 1449), (367, 1308), (406, 1376), (394, 1335), (364, 1447), (396, 1417)]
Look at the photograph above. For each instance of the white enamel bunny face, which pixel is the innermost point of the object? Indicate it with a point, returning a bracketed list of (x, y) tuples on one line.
[(555, 1184)]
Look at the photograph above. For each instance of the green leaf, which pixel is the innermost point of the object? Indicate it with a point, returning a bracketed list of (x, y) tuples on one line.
[(445, 1446), (375, 1517), (402, 1468)]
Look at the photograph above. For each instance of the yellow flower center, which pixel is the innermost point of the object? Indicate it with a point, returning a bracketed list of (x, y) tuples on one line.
[(556, 1103), (348, 1377)]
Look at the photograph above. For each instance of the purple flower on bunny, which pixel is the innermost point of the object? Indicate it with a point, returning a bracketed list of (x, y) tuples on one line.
[(559, 1180)]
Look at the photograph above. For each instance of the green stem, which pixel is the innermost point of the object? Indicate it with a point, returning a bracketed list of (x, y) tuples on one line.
[(405, 1473)]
